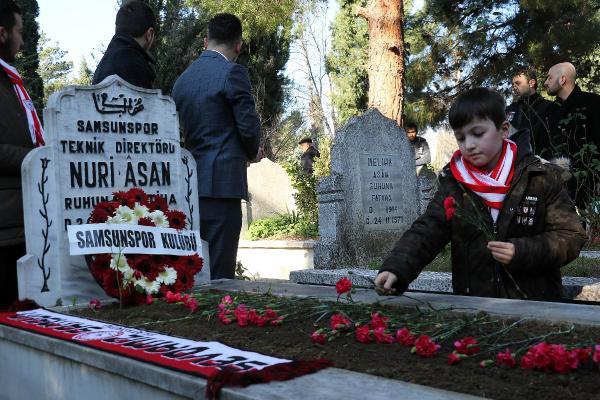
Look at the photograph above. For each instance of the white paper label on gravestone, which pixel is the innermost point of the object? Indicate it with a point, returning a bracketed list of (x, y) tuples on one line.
[(381, 183), (132, 239)]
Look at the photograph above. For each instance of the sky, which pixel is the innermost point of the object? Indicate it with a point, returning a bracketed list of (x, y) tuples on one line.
[(79, 26)]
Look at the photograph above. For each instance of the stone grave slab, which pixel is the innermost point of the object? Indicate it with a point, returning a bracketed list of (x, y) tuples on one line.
[(371, 196), (100, 139), (270, 192)]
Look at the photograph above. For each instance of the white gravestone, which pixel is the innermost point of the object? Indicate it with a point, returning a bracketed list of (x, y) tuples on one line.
[(100, 139), (370, 198)]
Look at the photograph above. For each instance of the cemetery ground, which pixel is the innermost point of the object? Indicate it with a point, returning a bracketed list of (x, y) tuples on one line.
[(303, 317)]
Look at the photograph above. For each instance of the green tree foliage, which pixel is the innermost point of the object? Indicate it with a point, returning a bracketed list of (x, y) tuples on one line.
[(266, 32), (452, 45), (54, 68), (178, 40), (482, 42), (27, 61), (347, 61), (84, 74)]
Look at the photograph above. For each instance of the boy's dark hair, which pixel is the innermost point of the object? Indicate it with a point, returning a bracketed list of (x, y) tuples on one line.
[(225, 29), (305, 140), (480, 103), (134, 18), (528, 73), (8, 9), (411, 125)]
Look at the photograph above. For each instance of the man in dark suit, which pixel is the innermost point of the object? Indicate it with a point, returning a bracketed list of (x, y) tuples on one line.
[(128, 54), (20, 131), (222, 131)]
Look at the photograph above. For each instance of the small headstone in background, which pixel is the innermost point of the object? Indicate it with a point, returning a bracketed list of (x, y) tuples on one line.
[(270, 192), (101, 139), (427, 183), (370, 198)]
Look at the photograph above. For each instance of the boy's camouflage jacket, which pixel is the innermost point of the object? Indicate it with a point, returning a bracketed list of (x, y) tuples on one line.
[(538, 217)]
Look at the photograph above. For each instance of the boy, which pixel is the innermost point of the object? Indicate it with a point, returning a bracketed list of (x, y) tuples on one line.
[(509, 219)]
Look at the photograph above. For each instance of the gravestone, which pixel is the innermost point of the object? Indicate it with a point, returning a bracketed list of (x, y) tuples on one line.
[(427, 183), (270, 192), (370, 198), (100, 139)]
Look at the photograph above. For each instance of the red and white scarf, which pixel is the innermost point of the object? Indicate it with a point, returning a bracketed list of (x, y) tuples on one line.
[(491, 186), (35, 127)]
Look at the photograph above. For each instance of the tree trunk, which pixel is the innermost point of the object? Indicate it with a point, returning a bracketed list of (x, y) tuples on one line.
[(386, 56)]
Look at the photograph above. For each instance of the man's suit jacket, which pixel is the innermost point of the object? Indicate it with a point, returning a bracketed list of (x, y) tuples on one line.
[(222, 129)]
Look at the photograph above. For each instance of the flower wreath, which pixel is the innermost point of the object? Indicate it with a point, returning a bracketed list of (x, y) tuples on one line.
[(138, 278)]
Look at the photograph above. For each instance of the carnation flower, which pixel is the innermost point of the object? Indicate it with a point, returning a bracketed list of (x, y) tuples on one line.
[(339, 322), (343, 286), (425, 347), (95, 305), (118, 262), (126, 215), (176, 219), (506, 358), (378, 320), (381, 336), (168, 276), (159, 219), (405, 337), (148, 286), (140, 211), (467, 345), (363, 334), (318, 338), (117, 219)]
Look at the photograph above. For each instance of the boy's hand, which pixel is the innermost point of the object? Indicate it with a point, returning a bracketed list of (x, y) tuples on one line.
[(503, 252), (384, 283)]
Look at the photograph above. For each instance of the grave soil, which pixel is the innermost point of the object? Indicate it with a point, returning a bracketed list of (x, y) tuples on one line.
[(291, 340)]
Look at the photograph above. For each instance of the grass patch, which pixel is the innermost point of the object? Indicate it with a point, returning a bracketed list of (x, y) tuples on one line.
[(283, 226)]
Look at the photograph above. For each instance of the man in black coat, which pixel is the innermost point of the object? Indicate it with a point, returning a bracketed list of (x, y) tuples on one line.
[(309, 152), (531, 111), (577, 132), (20, 131), (128, 54)]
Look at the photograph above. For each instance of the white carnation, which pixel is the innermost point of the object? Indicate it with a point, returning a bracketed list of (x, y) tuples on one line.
[(119, 262), (150, 287), (126, 214), (168, 276), (117, 219), (140, 211), (159, 219)]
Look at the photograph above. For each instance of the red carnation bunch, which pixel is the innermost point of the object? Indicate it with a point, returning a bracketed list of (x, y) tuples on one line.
[(136, 278), (244, 316)]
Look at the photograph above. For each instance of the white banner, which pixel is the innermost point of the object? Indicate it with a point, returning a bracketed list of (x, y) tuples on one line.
[(132, 239), (182, 354)]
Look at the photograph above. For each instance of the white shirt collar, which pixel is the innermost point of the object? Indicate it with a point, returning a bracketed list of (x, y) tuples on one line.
[(217, 51)]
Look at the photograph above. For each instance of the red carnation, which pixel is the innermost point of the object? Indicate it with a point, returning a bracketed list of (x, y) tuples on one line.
[(121, 197), (157, 202), (241, 315), (145, 221), (596, 356), (506, 358), (425, 347), (136, 195), (381, 336), (467, 345), (379, 321), (449, 207), (339, 322), (176, 219), (363, 334), (405, 337), (454, 358), (343, 286), (318, 338)]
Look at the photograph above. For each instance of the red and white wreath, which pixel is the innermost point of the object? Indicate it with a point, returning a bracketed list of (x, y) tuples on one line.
[(138, 278)]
